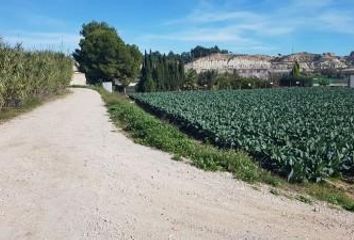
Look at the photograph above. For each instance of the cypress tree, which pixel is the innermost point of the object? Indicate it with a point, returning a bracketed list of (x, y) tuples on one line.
[(165, 72), (150, 85), (161, 72), (181, 74), (143, 78)]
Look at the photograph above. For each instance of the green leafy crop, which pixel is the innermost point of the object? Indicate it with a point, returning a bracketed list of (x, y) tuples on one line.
[(303, 133)]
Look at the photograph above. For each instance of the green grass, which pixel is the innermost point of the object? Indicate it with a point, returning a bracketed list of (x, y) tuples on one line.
[(324, 192), (148, 130)]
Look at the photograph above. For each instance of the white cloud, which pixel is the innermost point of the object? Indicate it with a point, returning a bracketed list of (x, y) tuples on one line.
[(202, 16), (254, 28), (202, 34)]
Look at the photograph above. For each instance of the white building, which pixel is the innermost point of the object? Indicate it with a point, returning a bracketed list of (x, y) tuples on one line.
[(118, 86)]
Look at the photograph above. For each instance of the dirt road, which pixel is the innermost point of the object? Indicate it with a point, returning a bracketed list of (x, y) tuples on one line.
[(65, 173)]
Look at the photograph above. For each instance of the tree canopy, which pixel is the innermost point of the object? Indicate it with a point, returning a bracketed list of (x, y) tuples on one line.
[(200, 51), (351, 55), (295, 72), (191, 79), (208, 78), (103, 55), (161, 73)]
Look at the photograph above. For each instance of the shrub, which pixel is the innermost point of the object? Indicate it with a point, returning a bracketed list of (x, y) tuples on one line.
[(323, 81), (301, 81)]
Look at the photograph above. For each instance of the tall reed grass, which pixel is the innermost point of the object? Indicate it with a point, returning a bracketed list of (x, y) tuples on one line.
[(26, 75)]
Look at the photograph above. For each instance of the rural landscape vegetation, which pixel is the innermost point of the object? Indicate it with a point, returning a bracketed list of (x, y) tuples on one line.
[(283, 125), (286, 129)]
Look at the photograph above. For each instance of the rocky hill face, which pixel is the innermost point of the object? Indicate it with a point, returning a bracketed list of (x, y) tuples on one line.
[(265, 67)]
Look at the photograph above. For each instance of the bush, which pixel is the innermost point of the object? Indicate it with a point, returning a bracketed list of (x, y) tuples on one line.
[(322, 81), (300, 81), (231, 81), (25, 75)]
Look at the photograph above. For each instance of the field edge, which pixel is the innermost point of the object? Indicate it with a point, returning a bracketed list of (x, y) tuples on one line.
[(146, 129), (31, 104)]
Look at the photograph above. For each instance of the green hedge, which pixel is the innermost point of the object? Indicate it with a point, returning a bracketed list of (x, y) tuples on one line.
[(26, 75)]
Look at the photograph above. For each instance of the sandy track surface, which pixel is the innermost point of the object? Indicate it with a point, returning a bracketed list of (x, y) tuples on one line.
[(65, 173)]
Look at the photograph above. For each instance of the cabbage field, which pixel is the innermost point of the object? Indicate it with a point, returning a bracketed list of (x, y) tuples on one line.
[(301, 133)]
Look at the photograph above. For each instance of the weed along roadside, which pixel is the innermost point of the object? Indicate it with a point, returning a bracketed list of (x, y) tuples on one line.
[(29, 105), (148, 130)]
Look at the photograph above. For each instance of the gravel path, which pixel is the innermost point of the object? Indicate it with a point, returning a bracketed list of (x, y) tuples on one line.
[(66, 173)]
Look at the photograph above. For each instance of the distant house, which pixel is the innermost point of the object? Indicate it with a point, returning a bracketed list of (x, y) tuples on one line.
[(349, 72)]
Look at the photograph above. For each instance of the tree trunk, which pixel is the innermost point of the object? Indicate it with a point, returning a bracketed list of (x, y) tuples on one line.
[(125, 90)]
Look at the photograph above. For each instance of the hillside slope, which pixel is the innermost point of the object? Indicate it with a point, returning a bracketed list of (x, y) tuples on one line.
[(263, 67)]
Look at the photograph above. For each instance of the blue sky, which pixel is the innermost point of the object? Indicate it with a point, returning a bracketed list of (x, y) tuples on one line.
[(242, 26)]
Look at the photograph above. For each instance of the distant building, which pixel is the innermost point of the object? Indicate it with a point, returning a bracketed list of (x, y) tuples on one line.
[(118, 86)]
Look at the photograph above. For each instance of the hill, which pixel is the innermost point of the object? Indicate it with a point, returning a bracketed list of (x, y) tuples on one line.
[(265, 67)]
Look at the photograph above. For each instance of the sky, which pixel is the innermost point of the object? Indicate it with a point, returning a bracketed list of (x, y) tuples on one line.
[(241, 26)]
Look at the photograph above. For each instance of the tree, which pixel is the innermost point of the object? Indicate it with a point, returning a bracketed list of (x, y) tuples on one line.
[(186, 57), (150, 85), (351, 57), (161, 72), (87, 29), (330, 72), (208, 79), (190, 79), (133, 66), (224, 81), (200, 51), (84, 55), (295, 72), (103, 55), (143, 76)]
